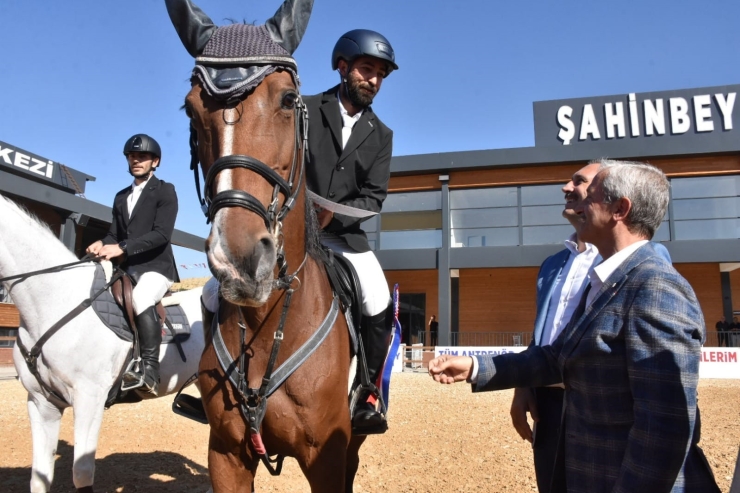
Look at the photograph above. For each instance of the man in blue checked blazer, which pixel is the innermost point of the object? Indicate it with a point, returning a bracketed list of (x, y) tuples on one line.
[(629, 358)]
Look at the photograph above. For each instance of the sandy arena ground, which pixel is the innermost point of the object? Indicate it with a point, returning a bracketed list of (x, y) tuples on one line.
[(440, 439)]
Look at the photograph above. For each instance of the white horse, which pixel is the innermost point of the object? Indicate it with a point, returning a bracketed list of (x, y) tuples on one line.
[(82, 360)]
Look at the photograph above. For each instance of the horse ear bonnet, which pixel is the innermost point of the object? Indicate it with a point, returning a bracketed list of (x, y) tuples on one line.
[(232, 60)]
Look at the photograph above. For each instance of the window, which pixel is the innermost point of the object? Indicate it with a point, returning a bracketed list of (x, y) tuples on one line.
[(409, 220), (705, 208), (4, 296)]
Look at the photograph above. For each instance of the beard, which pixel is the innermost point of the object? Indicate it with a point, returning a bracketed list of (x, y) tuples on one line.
[(360, 93)]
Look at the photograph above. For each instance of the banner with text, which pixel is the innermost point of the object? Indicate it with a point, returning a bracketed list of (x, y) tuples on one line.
[(715, 362)]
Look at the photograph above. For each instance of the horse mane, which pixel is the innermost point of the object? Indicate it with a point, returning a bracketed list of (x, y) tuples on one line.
[(23, 211), (313, 244)]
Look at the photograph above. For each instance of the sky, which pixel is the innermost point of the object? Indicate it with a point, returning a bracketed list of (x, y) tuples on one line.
[(80, 77)]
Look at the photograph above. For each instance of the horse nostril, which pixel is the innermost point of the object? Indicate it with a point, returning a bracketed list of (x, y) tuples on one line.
[(265, 246)]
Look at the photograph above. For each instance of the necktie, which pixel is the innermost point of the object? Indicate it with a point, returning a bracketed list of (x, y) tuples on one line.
[(582, 305)]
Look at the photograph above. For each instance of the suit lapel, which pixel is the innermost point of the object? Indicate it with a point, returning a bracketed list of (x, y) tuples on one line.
[(149, 188), (121, 205), (362, 129), (548, 284), (330, 110), (614, 283)]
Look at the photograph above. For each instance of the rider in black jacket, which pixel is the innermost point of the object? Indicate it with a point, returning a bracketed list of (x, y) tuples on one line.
[(140, 234)]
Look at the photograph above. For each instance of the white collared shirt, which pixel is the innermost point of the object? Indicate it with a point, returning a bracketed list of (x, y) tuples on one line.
[(567, 294), (348, 122), (605, 269), (569, 289), (133, 197)]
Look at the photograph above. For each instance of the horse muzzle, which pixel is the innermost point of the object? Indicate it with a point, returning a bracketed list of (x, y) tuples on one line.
[(245, 272)]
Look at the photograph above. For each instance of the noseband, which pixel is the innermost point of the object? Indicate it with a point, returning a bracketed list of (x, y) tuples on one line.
[(272, 217), (239, 198)]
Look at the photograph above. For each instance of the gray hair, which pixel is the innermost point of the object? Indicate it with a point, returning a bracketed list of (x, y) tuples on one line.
[(644, 185)]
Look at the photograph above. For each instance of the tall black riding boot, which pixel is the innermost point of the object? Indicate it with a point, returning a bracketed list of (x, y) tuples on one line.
[(150, 338), (375, 332)]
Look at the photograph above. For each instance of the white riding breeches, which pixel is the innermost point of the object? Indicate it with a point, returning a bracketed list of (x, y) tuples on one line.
[(149, 291), (209, 296), (375, 293)]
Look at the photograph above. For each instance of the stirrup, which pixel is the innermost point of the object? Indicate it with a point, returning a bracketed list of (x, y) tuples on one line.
[(378, 426), (363, 392), (190, 407), (130, 369)]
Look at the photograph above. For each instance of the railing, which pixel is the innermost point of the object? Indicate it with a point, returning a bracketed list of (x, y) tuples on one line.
[(713, 339), (479, 338)]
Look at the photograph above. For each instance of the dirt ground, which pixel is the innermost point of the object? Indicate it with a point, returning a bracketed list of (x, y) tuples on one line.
[(440, 438)]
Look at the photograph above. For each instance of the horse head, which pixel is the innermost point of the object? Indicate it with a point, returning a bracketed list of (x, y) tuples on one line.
[(249, 132)]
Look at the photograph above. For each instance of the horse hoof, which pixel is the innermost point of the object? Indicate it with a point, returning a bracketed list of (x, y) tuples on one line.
[(86, 489)]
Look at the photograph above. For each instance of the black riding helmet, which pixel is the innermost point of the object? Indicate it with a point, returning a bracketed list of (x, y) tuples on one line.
[(363, 42), (142, 143)]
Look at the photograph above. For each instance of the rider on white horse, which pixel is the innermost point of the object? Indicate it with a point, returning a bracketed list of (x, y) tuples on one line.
[(140, 234)]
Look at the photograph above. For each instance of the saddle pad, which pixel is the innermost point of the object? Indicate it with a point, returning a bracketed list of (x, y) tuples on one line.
[(111, 315)]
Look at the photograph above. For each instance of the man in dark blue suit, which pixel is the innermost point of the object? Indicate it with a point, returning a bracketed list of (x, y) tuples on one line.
[(560, 284), (629, 358)]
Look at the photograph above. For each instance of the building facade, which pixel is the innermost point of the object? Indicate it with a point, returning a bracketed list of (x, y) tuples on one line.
[(464, 233), (55, 193)]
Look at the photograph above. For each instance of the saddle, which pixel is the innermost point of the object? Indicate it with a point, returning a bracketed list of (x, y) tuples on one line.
[(122, 291), (346, 285), (115, 310)]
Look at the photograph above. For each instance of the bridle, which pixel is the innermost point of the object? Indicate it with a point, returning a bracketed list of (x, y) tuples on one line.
[(271, 215), (253, 401)]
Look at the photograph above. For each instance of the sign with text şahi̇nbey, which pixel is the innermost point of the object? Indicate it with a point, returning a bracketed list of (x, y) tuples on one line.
[(707, 113)]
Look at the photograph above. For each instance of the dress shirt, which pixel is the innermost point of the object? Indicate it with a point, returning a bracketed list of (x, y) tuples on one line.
[(135, 194), (602, 271), (568, 290), (570, 285), (348, 122)]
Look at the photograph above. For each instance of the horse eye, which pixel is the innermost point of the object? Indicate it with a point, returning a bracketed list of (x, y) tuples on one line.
[(188, 111), (289, 100)]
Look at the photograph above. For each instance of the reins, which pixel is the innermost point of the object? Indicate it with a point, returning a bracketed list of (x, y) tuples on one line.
[(87, 258), (31, 355), (253, 402)]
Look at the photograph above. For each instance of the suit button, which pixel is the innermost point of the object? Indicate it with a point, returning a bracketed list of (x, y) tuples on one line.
[(332, 194), (339, 167)]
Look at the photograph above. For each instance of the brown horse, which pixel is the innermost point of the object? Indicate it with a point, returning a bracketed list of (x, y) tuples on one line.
[(251, 144)]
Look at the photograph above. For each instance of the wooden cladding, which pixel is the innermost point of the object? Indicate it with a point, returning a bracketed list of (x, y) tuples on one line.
[(9, 317), (503, 299), (497, 300), (558, 173)]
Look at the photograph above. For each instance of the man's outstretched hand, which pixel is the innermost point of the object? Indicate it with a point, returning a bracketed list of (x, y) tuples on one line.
[(450, 369)]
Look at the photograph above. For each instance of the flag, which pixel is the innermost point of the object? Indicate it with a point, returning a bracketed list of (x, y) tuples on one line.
[(384, 379), (202, 265)]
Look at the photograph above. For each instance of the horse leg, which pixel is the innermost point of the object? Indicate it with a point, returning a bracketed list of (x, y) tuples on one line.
[(324, 467), (353, 461), (230, 472), (45, 419), (88, 407)]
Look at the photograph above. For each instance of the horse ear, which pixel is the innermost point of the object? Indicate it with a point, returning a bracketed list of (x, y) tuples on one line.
[(289, 23), (192, 25)]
